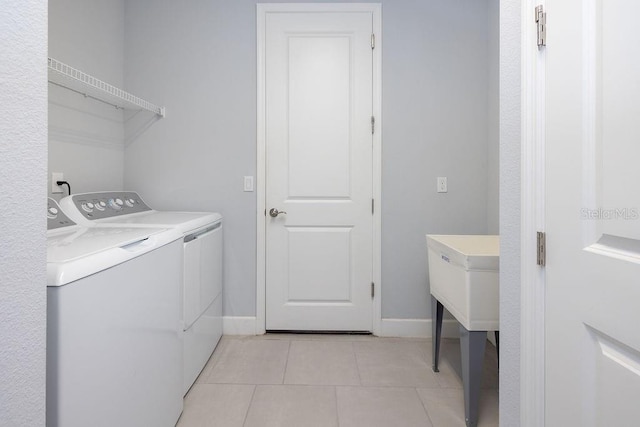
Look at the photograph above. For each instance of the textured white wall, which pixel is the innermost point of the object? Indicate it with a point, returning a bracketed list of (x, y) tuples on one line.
[(86, 137), (510, 152), (200, 61), (23, 165)]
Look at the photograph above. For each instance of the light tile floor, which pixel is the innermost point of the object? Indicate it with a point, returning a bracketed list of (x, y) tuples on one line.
[(334, 380)]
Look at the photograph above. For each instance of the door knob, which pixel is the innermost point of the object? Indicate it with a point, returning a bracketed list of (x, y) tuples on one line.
[(275, 212)]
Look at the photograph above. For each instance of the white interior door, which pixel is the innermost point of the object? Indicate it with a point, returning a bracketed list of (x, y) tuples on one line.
[(318, 106), (592, 217)]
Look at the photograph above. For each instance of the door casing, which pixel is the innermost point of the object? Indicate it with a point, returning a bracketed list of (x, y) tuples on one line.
[(532, 220), (262, 10)]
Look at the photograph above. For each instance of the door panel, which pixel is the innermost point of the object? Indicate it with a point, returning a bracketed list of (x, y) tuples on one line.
[(593, 223), (619, 95), (618, 374), (319, 171), (319, 95), (315, 273)]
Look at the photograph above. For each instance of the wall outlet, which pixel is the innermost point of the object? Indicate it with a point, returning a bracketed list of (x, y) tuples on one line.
[(55, 177), (248, 183), (442, 184)]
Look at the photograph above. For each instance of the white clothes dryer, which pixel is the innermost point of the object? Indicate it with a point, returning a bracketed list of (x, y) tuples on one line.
[(114, 344), (203, 273)]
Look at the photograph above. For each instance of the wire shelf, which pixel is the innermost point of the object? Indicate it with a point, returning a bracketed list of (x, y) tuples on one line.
[(78, 81)]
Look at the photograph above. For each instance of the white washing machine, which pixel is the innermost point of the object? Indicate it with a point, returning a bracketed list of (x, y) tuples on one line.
[(114, 342), (202, 242)]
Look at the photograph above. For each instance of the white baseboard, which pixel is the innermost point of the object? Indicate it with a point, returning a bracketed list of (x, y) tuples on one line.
[(408, 328), (236, 325), (416, 328)]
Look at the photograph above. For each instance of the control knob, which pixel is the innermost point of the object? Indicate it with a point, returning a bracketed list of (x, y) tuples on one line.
[(52, 212), (115, 204), (101, 205), (87, 206)]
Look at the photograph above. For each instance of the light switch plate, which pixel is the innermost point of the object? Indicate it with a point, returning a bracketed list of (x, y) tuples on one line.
[(248, 183), (442, 184)]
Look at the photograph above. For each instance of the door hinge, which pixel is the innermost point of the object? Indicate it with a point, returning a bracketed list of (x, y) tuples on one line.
[(542, 248), (373, 41), (541, 20), (373, 125), (373, 287), (372, 206)]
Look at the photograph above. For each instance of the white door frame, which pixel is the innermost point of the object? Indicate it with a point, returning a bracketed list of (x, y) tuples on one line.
[(532, 220), (262, 10)]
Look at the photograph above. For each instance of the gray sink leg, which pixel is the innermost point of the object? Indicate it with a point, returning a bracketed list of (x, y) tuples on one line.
[(497, 335), (472, 345), (436, 329)]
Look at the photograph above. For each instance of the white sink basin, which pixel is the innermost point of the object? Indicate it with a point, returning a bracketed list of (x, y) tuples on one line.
[(463, 274)]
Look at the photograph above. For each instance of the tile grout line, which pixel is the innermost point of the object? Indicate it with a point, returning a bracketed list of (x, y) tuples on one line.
[(424, 407), (222, 345), (246, 415), (223, 352), (286, 363), (355, 356), (335, 393)]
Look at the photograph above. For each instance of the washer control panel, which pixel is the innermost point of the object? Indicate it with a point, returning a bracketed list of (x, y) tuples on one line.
[(108, 204), (55, 217)]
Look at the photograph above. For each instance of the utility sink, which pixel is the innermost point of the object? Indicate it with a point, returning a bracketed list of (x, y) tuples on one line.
[(463, 273)]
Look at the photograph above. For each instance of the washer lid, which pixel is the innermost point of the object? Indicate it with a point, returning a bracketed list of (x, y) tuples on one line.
[(80, 252), (184, 221), (80, 242)]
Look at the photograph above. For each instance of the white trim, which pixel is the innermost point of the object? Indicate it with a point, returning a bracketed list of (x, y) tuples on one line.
[(405, 328), (377, 165), (237, 325), (416, 328), (261, 170), (262, 9), (532, 337)]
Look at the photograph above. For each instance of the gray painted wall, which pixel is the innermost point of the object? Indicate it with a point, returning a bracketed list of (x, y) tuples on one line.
[(23, 164), (510, 137), (435, 80), (493, 92), (86, 137), (200, 62)]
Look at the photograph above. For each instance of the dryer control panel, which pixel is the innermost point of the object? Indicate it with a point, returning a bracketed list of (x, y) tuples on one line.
[(108, 204), (55, 217)]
